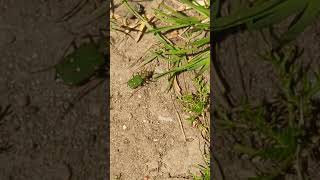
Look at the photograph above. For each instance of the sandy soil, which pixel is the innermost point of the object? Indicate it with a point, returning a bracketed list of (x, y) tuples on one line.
[(146, 139), (44, 146)]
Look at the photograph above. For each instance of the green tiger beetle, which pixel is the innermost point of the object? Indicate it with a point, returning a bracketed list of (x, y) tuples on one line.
[(140, 79), (86, 65), (85, 62), (88, 62)]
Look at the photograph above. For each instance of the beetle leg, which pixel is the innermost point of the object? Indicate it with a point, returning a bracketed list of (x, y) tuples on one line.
[(103, 33), (74, 10), (72, 44), (135, 91), (7, 111), (96, 4), (93, 85), (91, 39)]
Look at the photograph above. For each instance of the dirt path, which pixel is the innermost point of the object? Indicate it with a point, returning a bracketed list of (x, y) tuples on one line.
[(146, 139)]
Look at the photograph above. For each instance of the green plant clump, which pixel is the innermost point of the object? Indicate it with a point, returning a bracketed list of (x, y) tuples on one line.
[(193, 51), (276, 130), (196, 103)]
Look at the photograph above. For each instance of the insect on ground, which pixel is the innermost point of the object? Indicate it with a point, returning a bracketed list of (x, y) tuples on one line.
[(83, 65), (138, 80)]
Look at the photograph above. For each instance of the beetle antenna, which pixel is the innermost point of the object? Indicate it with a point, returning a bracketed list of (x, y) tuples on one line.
[(73, 44), (42, 70)]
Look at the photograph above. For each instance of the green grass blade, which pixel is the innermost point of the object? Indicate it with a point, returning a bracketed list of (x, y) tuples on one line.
[(246, 15), (278, 14), (199, 61), (200, 9), (310, 13)]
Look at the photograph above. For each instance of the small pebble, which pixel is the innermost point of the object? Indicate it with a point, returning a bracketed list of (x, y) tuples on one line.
[(124, 127), (126, 141), (315, 139), (244, 156), (165, 119), (256, 159)]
